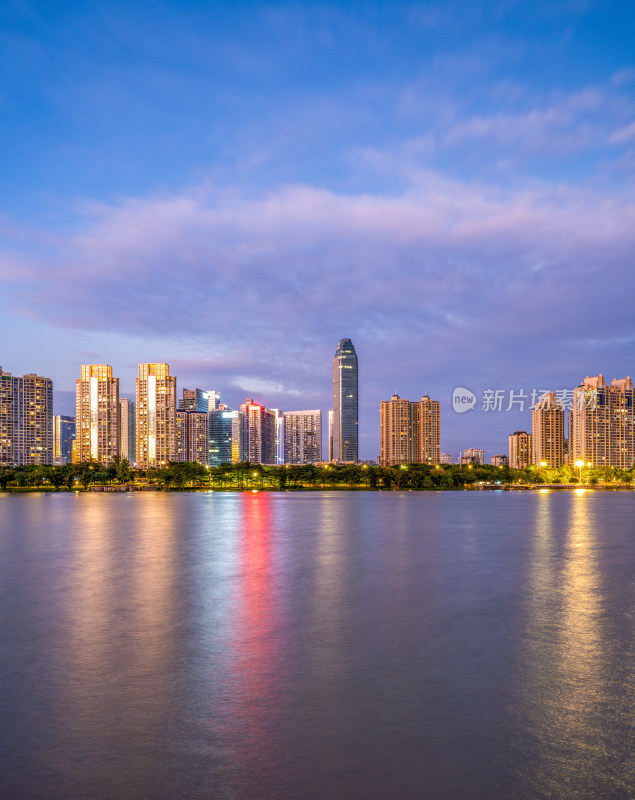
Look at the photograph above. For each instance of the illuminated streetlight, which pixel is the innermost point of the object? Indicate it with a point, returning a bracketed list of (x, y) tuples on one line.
[(543, 464), (579, 464)]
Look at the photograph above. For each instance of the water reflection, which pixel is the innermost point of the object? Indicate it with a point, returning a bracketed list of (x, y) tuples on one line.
[(566, 691), (252, 680)]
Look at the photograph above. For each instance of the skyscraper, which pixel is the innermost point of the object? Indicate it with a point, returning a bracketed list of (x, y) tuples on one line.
[(26, 419), (155, 416), (96, 414), (302, 437), (221, 426), (547, 431), (409, 432), (345, 403)]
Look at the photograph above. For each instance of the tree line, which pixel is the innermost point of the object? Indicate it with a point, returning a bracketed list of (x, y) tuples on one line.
[(248, 476)]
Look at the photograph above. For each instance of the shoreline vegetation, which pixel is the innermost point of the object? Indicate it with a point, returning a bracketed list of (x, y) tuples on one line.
[(245, 476)]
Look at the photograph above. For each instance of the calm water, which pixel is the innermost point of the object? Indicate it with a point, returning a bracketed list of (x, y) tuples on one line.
[(317, 645)]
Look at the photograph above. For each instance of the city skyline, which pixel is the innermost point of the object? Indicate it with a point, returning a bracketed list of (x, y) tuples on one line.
[(101, 410), (232, 190)]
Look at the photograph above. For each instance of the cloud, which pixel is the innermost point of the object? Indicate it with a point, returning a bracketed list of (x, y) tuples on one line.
[(622, 135)]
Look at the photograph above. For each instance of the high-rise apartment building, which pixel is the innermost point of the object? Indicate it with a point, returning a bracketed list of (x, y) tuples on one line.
[(6, 419), (96, 414), (63, 438), (155, 416), (260, 432), (330, 435), (519, 449), (302, 437), (26, 419), (409, 432), (602, 423), (472, 455), (547, 431), (180, 436), (127, 430), (345, 403), (198, 437)]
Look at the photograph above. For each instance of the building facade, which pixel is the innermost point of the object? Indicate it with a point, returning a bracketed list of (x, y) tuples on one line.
[(345, 428), (547, 431), (409, 432), (500, 460), (519, 450), (155, 416), (303, 437), (96, 414), (602, 423)]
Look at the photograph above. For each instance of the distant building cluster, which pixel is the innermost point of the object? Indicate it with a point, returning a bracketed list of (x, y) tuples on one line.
[(600, 428), (157, 428)]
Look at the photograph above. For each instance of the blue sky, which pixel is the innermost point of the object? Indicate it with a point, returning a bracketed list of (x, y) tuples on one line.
[(233, 188)]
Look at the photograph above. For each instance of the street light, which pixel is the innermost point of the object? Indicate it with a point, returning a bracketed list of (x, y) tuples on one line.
[(579, 464)]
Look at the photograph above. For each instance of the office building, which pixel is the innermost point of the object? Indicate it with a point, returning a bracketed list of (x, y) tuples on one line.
[(345, 403), (330, 435), (26, 420), (409, 432), (221, 428), (303, 437), (519, 450), (96, 414), (201, 400), (547, 431), (260, 426), (155, 416), (602, 422), (63, 438), (127, 430)]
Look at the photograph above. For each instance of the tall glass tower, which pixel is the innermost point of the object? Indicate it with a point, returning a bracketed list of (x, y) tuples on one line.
[(345, 411)]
